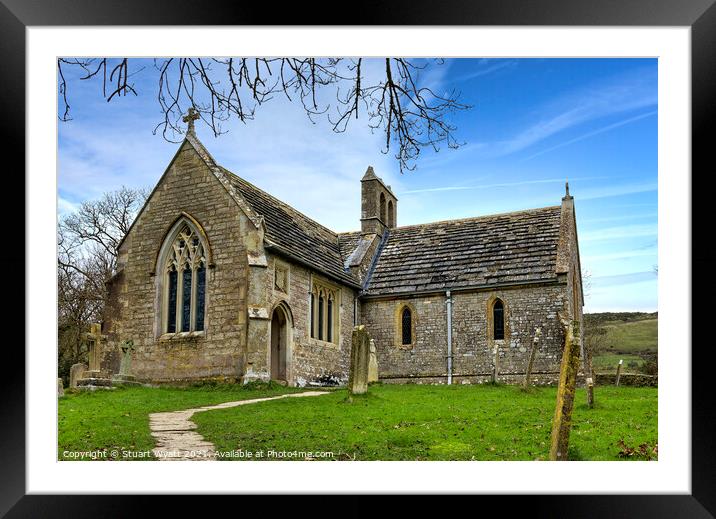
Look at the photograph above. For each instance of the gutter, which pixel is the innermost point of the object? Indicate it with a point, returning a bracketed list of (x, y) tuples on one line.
[(471, 288)]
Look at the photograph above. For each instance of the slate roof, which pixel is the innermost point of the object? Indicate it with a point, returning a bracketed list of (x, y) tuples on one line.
[(294, 233), (499, 249)]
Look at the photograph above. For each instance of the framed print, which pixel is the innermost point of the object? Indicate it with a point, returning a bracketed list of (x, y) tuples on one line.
[(334, 298)]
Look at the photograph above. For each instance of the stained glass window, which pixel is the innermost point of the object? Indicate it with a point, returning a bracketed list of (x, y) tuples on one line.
[(200, 295), (172, 302), (185, 280)]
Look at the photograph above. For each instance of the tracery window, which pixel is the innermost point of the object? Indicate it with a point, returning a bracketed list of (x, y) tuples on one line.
[(324, 314), (184, 282)]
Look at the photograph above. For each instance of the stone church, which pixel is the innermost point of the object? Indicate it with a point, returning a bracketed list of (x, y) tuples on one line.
[(219, 280)]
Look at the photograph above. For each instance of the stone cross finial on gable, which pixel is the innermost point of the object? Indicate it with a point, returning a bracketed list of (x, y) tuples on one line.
[(191, 116)]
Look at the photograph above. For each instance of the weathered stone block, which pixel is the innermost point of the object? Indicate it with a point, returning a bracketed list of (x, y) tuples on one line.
[(76, 372)]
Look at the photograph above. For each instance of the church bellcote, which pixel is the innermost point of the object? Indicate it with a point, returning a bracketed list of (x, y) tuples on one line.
[(379, 206)]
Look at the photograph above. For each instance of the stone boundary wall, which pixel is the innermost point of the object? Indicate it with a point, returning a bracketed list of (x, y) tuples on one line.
[(626, 379)]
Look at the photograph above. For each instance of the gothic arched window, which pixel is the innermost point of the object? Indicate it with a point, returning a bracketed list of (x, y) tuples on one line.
[(382, 208), (498, 319), (391, 215), (183, 281)]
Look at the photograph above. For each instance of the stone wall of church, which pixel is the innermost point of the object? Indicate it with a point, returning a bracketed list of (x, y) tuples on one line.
[(526, 308), (310, 359), (218, 352)]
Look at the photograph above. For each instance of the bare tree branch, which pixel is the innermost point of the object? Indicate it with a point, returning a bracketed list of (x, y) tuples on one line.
[(411, 115)]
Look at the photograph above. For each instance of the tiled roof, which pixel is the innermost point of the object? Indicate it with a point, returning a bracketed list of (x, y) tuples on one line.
[(294, 233), (505, 248)]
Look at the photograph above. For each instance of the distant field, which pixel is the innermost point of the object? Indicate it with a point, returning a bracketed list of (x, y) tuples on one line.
[(633, 336), (629, 336)]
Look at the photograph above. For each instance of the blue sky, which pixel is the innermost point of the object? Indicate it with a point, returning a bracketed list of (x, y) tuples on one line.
[(533, 124)]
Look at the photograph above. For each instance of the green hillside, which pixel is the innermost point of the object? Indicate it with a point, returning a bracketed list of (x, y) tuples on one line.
[(631, 337)]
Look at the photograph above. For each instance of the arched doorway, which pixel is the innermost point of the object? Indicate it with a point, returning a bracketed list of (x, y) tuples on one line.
[(279, 344)]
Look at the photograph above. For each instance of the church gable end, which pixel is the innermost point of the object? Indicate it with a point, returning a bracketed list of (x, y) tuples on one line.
[(188, 190)]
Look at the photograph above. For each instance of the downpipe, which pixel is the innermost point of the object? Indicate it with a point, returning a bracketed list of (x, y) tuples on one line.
[(448, 302)]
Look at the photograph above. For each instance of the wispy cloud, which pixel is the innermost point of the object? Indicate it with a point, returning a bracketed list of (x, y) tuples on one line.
[(623, 279), (624, 255), (616, 233), (605, 129), (615, 191), (489, 186), (618, 218), (627, 92), (492, 67)]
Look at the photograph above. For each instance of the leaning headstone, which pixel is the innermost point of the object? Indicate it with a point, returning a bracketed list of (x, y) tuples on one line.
[(360, 355), (125, 377), (562, 421), (373, 363), (60, 388), (619, 372), (533, 353), (76, 372)]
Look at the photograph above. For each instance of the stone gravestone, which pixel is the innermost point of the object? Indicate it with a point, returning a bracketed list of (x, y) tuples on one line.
[(94, 377), (373, 363), (562, 421), (60, 388), (76, 372), (125, 377), (360, 355)]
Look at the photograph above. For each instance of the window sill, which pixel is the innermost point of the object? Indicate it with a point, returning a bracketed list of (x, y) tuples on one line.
[(320, 342), (169, 337)]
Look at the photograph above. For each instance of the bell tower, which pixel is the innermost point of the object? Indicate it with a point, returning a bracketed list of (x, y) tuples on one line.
[(379, 206)]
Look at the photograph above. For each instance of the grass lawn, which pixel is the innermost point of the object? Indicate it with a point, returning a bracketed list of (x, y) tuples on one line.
[(119, 418), (422, 422)]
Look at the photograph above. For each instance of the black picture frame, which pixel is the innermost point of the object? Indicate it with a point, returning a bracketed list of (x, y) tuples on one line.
[(700, 15)]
